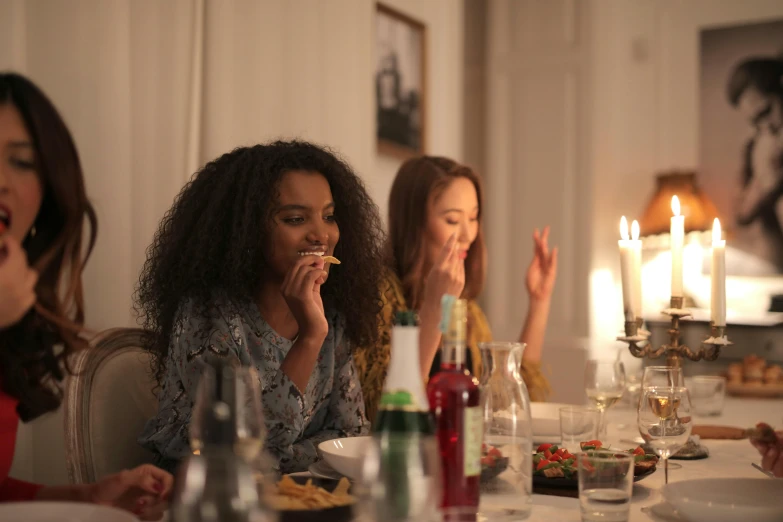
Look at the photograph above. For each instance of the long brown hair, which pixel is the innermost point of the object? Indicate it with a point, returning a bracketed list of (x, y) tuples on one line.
[(31, 360), (419, 181)]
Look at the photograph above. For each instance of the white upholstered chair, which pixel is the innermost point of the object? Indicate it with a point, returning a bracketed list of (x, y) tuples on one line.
[(107, 403)]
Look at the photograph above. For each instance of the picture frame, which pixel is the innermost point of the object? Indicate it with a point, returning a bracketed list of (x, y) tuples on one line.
[(400, 83), (741, 107)]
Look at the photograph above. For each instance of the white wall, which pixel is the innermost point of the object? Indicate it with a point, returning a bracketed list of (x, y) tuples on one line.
[(645, 119), (146, 106)]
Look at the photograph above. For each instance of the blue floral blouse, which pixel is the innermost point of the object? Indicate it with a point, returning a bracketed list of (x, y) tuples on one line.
[(330, 407)]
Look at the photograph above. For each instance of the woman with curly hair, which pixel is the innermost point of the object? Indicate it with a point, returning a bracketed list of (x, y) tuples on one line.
[(43, 213), (436, 247), (236, 275)]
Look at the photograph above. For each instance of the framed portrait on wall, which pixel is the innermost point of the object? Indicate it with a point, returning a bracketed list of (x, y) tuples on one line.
[(400, 82), (741, 127)]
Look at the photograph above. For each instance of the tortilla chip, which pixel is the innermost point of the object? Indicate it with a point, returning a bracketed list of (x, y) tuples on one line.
[(332, 259), (287, 495)]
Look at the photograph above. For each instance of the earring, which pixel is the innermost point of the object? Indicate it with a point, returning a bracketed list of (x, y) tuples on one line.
[(32, 231)]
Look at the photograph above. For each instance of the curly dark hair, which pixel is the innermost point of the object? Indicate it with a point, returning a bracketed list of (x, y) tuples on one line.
[(31, 361), (210, 244)]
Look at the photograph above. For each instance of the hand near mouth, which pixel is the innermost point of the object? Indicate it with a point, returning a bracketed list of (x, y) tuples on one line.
[(17, 282), (301, 289)]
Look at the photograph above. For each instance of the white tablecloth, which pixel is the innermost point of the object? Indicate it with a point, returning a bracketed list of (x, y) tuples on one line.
[(728, 458)]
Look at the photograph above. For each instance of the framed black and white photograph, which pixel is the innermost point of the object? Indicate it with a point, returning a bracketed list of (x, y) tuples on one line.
[(400, 82), (741, 140)]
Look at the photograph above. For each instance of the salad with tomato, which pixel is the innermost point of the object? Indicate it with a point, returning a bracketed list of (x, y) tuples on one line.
[(552, 461)]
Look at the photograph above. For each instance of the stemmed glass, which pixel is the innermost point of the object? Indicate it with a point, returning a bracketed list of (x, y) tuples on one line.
[(604, 385), (400, 479), (662, 376), (665, 420)]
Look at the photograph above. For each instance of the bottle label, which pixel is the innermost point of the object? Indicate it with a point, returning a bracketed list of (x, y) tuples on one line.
[(474, 433)]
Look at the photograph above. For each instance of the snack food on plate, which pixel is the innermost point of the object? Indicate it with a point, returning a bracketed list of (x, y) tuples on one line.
[(288, 495)]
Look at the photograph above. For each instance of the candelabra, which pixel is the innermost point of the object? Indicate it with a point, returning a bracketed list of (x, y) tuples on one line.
[(639, 344)]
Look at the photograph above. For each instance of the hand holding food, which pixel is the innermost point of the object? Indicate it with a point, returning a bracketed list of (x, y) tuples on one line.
[(17, 281), (770, 445), (302, 291)]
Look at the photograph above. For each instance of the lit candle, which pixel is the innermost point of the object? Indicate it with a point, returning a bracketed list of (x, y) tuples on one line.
[(718, 297), (636, 268), (677, 241), (626, 270)]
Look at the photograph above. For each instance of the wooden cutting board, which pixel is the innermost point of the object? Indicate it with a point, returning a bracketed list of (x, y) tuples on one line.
[(763, 391)]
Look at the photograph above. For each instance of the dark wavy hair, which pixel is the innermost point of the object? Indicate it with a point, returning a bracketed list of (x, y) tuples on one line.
[(210, 244), (417, 183), (763, 74), (31, 361)]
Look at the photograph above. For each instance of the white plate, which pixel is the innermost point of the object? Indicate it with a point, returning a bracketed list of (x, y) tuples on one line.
[(727, 499), (546, 421), (344, 455), (61, 512)]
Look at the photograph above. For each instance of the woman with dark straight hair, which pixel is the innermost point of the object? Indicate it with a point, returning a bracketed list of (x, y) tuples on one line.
[(43, 249), (436, 247)]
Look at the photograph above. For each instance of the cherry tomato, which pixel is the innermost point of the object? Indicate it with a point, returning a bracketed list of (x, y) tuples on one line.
[(543, 447), (547, 455), (542, 464), (638, 451)]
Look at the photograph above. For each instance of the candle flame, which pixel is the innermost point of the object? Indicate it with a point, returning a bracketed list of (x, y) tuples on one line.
[(676, 205), (716, 231), (635, 230), (623, 229)]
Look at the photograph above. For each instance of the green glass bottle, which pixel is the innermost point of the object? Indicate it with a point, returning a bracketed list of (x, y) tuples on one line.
[(403, 422), (404, 407)]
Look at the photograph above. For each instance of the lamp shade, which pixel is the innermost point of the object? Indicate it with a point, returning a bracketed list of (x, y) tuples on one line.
[(697, 208)]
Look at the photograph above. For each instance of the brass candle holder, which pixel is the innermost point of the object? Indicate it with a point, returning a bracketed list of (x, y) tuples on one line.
[(639, 344)]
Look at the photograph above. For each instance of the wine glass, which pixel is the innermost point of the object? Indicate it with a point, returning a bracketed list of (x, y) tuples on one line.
[(400, 479), (239, 388), (604, 385), (662, 376), (665, 420)]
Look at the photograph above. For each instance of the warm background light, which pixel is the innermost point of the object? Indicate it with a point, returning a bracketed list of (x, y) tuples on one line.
[(698, 209)]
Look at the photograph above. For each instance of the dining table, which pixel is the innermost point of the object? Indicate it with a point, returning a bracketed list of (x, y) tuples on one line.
[(727, 458)]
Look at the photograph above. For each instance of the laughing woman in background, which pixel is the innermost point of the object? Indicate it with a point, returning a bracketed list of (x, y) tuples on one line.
[(436, 247), (43, 209)]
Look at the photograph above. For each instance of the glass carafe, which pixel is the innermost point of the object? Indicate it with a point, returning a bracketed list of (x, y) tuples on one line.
[(507, 458)]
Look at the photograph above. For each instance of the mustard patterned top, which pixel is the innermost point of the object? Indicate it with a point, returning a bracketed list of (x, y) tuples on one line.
[(372, 362)]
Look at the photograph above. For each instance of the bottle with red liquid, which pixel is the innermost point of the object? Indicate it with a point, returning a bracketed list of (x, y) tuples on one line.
[(454, 399)]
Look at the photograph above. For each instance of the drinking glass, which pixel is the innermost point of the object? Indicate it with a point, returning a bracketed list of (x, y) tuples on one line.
[(662, 376), (665, 420), (605, 484), (239, 388), (578, 425), (604, 385), (708, 393), (400, 479)]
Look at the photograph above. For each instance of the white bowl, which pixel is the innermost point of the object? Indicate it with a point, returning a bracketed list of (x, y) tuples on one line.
[(546, 421), (344, 455), (61, 512), (727, 499)]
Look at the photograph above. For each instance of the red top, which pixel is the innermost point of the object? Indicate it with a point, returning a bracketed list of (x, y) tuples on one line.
[(11, 489)]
